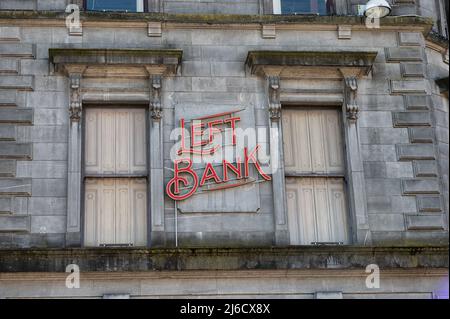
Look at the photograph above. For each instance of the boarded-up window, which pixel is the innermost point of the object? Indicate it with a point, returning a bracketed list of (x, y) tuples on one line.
[(315, 176), (115, 171)]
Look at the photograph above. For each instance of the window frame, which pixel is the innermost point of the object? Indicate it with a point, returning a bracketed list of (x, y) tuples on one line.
[(84, 176), (344, 176), (277, 9), (144, 6)]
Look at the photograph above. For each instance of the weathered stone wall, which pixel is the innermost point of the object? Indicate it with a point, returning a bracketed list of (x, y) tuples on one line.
[(16, 81), (403, 205), (321, 284), (402, 128), (306, 272)]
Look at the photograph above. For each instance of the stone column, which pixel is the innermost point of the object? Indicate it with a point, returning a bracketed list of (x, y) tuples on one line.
[(276, 154), (156, 156), (355, 170), (73, 234)]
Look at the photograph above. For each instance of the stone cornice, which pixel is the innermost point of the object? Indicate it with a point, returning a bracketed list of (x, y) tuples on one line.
[(210, 20), (167, 61), (271, 258), (306, 63)]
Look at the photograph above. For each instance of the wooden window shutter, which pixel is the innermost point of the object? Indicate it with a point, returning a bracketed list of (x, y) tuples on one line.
[(315, 192)]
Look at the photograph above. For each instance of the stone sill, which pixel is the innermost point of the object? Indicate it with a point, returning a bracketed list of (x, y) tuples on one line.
[(270, 258), (220, 18)]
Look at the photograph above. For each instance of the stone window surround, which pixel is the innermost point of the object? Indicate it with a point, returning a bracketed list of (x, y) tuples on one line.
[(74, 63), (345, 66), (273, 65)]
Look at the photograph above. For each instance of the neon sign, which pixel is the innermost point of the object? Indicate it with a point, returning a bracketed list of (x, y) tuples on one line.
[(186, 181)]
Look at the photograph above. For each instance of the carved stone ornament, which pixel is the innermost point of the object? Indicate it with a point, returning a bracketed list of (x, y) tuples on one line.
[(274, 97), (75, 107), (351, 89), (155, 97)]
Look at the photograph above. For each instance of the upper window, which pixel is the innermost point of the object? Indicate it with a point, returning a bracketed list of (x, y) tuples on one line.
[(322, 7), (115, 5), (115, 172), (315, 176)]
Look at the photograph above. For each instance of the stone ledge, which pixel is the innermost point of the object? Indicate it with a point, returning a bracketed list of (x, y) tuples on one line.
[(16, 115), (169, 60), (114, 56), (15, 186), (14, 224), (135, 259), (12, 150), (293, 64)]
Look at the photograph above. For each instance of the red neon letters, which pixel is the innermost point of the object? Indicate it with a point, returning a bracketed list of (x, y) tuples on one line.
[(185, 182)]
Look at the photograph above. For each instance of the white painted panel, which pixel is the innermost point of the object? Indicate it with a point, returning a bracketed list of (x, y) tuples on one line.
[(297, 146), (338, 210), (288, 141), (139, 210), (334, 145), (92, 149), (91, 208), (115, 141), (293, 216), (316, 210), (106, 221), (116, 211), (123, 142), (317, 141), (306, 212), (139, 149), (312, 141), (302, 146), (322, 210), (108, 142), (123, 225)]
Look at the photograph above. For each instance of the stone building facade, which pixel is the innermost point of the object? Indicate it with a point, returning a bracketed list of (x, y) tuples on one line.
[(351, 121)]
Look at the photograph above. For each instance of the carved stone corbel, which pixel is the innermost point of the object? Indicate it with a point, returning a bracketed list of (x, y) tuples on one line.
[(155, 97), (351, 90), (274, 97), (75, 106)]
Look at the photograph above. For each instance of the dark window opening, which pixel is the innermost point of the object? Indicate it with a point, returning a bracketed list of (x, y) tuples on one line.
[(115, 5), (320, 7)]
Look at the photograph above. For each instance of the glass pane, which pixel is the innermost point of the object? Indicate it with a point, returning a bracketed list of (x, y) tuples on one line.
[(114, 5), (307, 7)]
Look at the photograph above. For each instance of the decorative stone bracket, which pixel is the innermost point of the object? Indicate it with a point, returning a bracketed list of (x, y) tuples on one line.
[(75, 96), (351, 89), (347, 65), (155, 97), (274, 97)]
